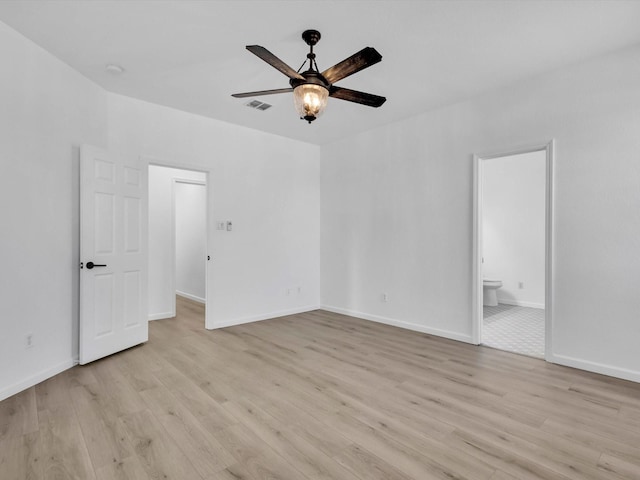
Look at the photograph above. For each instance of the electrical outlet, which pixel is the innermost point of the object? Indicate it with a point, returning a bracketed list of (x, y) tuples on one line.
[(520, 285), (384, 297), (299, 290), (220, 225), (29, 340)]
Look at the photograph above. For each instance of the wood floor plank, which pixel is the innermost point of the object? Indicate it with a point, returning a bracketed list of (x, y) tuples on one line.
[(212, 383), (124, 397), (235, 472), (369, 467), (409, 459), (138, 372), (319, 396), (21, 457), (593, 440), (202, 449), (255, 457), (450, 462), (619, 466), (19, 414), (205, 408), (128, 468), (323, 438), (65, 454), (98, 420), (159, 456), (53, 392), (80, 375), (295, 449), (500, 475)]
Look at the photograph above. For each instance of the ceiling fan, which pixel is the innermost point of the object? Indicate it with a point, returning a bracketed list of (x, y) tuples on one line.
[(311, 88)]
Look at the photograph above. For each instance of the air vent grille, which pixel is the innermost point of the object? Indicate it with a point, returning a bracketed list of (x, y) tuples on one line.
[(255, 104)]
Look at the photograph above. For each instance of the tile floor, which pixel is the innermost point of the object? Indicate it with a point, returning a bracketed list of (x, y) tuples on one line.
[(515, 329)]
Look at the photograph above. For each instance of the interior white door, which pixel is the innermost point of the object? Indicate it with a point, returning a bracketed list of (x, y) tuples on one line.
[(113, 255)]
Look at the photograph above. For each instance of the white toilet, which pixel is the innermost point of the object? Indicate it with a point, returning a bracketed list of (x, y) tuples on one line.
[(489, 290)]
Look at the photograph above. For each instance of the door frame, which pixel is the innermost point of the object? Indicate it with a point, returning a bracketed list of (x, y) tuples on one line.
[(477, 292), (148, 161)]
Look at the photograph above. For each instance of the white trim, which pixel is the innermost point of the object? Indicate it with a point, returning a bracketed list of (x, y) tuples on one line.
[(188, 180), (520, 303), (161, 316), (173, 246), (180, 166), (601, 368), (37, 378), (477, 291), (549, 314), (264, 316), (461, 337), (476, 279), (190, 297)]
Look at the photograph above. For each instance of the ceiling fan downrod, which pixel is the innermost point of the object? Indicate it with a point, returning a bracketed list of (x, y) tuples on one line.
[(311, 38)]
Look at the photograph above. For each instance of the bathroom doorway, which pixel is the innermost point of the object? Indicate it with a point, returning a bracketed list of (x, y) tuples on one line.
[(178, 240), (512, 250)]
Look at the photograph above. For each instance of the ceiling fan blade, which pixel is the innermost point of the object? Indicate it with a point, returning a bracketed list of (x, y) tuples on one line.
[(364, 58), (262, 92), (274, 61), (368, 99)]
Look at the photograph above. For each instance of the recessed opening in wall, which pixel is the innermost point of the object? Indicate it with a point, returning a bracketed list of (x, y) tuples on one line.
[(178, 232), (512, 251)]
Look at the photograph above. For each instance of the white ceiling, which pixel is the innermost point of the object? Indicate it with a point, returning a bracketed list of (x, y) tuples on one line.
[(190, 54)]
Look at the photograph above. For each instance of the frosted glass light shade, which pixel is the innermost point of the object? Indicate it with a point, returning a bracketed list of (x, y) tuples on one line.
[(310, 100)]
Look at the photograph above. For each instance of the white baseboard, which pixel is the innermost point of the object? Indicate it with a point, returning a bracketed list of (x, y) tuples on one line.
[(258, 318), (520, 303), (191, 297), (161, 316), (595, 367), (36, 379), (461, 337)]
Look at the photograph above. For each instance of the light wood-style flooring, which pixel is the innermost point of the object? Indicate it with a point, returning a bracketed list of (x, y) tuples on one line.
[(318, 396)]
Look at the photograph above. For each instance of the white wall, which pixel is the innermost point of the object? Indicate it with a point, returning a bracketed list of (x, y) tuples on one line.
[(396, 212), (191, 240), (268, 186), (162, 277), (513, 226), (47, 111)]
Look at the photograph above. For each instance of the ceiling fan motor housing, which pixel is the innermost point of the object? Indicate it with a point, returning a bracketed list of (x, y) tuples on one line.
[(310, 76)]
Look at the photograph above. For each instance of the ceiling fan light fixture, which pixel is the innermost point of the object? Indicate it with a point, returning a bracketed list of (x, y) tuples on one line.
[(310, 100)]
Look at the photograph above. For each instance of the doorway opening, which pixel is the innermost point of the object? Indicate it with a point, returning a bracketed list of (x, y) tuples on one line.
[(178, 233), (512, 250)]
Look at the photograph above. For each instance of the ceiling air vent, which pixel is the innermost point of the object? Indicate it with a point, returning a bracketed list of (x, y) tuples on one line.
[(258, 105)]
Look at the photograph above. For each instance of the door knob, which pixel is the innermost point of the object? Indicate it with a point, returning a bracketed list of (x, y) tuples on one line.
[(90, 265)]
